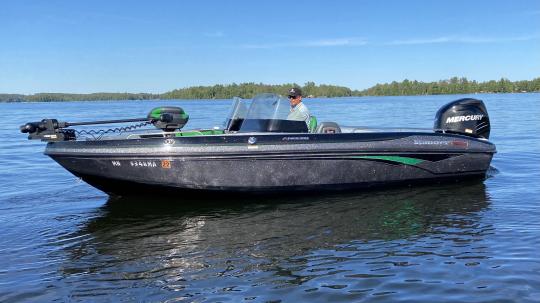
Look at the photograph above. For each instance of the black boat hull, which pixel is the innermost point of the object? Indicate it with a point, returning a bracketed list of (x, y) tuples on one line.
[(273, 162)]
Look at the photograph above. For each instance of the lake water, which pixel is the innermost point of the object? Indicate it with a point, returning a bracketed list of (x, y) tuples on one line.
[(62, 240)]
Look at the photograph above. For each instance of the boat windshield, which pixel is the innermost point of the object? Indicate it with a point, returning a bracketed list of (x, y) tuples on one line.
[(268, 113), (239, 108), (263, 113), (269, 106), (237, 114)]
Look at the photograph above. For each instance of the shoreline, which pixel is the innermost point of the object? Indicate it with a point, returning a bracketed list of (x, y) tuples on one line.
[(406, 87), (226, 99)]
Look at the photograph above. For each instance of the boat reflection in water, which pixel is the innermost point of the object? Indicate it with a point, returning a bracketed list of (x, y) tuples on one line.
[(282, 247)]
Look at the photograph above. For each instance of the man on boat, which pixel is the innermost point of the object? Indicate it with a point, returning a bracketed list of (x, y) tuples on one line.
[(299, 111)]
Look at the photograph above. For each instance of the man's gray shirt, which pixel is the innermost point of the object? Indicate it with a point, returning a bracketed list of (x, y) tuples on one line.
[(299, 113)]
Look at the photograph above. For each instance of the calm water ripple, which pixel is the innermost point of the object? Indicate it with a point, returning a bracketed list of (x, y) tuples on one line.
[(61, 240)]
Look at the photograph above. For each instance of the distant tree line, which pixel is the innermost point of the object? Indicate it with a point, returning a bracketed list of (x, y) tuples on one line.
[(454, 85), (248, 90), (48, 97)]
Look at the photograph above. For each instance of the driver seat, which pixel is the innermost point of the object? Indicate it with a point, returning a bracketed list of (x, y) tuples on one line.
[(312, 127)]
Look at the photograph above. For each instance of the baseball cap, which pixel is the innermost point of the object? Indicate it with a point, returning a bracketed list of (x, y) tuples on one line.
[(294, 92)]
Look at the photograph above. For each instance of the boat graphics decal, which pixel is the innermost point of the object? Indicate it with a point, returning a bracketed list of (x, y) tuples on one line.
[(398, 159), (430, 142), (405, 158)]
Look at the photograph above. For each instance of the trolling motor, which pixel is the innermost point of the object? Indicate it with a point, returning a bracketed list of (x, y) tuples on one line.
[(166, 118)]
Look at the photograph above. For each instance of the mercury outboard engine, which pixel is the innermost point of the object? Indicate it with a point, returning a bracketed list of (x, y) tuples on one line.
[(464, 116)]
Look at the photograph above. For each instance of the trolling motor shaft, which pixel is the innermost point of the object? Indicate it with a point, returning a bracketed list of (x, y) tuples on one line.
[(164, 118)]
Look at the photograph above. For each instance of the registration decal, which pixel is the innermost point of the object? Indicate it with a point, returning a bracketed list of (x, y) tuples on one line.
[(166, 164), (142, 163)]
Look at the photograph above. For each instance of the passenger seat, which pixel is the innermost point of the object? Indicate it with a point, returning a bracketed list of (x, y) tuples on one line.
[(328, 128)]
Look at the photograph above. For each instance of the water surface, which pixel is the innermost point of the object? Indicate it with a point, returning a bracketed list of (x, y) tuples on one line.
[(62, 240)]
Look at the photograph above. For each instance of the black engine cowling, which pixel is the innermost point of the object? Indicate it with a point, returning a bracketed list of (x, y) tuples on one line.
[(464, 116)]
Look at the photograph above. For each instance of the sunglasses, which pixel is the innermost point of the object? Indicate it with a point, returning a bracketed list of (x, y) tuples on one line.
[(292, 97)]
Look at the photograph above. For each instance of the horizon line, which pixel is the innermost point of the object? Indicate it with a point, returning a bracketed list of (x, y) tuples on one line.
[(261, 83)]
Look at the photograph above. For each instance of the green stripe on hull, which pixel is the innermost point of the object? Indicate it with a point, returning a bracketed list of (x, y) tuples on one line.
[(398, 159)]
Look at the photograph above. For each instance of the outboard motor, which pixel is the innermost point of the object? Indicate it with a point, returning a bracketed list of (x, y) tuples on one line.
[(464, 116)]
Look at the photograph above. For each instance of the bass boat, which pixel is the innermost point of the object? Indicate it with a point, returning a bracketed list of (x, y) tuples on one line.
[(259, 150)]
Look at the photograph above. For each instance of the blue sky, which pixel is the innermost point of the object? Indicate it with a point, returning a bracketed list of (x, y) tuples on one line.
[(157, 46)]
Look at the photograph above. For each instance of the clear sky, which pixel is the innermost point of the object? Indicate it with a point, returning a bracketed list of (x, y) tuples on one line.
[(156, 46)]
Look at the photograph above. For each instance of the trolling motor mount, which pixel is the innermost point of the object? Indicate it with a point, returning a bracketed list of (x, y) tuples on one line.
[(48, 130)]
